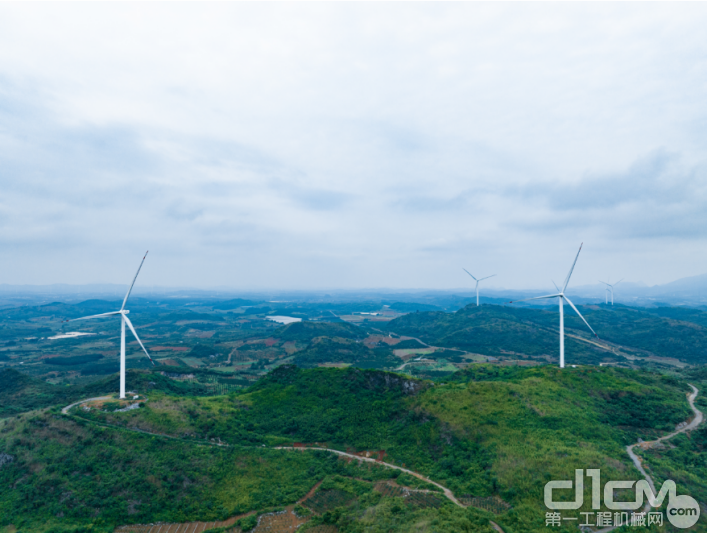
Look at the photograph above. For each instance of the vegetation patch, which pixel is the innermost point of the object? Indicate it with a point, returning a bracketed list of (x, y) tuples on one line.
[(327, 499), (308, 330), (73, 361)]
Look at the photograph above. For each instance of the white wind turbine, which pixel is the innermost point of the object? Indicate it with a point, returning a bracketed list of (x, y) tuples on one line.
[(477, 283), (610, 287), (562, 297), (123, 320)]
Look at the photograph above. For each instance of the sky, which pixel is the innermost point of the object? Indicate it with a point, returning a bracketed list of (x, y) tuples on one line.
[(352, 145)]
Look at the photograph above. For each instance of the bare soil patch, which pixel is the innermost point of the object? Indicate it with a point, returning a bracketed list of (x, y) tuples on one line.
[(285, 521)]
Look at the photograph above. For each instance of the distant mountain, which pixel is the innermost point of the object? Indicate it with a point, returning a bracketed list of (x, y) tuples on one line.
[(688, 284)]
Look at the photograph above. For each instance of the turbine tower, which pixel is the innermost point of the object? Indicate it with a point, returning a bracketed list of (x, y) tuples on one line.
[(123, 320), (610, 287), (562, 297), (477, 283)]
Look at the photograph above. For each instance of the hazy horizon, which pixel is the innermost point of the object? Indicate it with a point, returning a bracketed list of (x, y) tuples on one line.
[(117, 288)]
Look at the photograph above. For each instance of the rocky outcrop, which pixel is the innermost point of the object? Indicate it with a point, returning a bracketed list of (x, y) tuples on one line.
[(385, 380), (5, 459)]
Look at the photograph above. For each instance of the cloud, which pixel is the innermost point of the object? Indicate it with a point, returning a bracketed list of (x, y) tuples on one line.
[(657, 196), (351, 144), (656, 176)]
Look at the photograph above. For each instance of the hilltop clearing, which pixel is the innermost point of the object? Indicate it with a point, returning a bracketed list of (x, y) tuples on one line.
[(20, 393)]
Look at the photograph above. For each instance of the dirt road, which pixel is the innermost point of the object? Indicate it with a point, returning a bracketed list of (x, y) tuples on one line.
[(65, 410), (447, 492), (696, 421)]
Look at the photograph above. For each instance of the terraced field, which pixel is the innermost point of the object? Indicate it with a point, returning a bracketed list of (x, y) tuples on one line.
[(325, 500), (197, 526)]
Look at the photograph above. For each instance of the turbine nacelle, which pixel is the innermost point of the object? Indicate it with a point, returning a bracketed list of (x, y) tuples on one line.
[(123, 321), (610, 288), (560, 295), (477, 282)]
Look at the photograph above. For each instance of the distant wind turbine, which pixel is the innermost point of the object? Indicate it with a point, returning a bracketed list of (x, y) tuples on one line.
[(477, 283), (562, 297), (123, 320), (610, 287)]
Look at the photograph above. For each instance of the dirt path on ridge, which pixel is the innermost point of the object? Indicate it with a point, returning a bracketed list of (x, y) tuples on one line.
[(196, 525), (447, 492), (65, 410)]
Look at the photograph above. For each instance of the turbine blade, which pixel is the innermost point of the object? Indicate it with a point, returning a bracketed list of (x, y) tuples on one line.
[(132, 329), (131, 285), (567, 280), (535, 298), (604, 283), (580, 315), (467, 272), (617, 283), (554, 284), (487, 277), (94, 316)]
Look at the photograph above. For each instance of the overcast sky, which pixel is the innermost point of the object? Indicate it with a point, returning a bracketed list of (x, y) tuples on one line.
[(357, 145)]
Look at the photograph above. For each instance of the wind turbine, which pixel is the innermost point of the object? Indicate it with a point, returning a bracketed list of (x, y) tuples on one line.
[(610, 287), (562, 297), (123, 320), (477, 283)]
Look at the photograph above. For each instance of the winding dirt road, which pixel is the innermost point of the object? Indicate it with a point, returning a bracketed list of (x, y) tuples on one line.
[(447, 492), (696, 421)]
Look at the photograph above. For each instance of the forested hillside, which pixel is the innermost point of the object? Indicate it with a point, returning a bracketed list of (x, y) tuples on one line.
[(489, 433), (499, 330)]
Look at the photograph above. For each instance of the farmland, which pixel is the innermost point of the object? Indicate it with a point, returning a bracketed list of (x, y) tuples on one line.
[(226, 345)]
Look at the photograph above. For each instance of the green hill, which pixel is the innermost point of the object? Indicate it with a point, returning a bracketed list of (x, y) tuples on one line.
[(305, 331), (494, 331), (531, 332), (489, 432), (20, 393), (340, 350)]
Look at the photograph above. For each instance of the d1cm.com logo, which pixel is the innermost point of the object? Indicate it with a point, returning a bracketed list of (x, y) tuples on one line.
[(683, 511)]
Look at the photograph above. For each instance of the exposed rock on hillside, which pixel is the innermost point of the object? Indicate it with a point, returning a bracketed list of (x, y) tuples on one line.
[(6, 459), (383, 380)]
